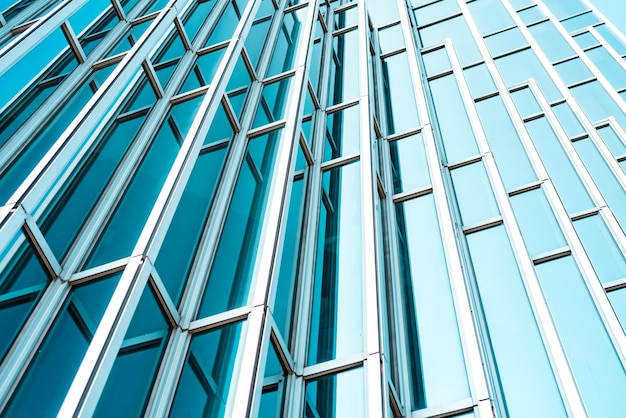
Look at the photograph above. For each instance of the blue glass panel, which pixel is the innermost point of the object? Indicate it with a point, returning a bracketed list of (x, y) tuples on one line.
[(597, 103), (61, 351), (586, 40), (596, 367), (87, 14), (531, 15), (284, 51), (436, 364), (573, 71), (409, 164), (256, 39), (344, 68), (606, 257), (180, 243), (128, 386), (525, 102), (522, 365), (436, 11), (453, 123), (390, 39), (609, 68), (436, 62), (580, 22), (616, 42), (474, 195), (336, 328), (560, 169), (286, 289), (612, 141), (272, 104), (346, 18), (457, 30), (225, 27), (552, 43), (221, 127), (538, 225), (92, 37), (479, 80), (206, 377), (506, 41), (194, 19), (343, 133), (335, 396), (568, 120), (231, 271), (611, 189), (563, 9), (490, 16), (22, 283), (272, 396), (618, 300), (506, 146), (399, 98)]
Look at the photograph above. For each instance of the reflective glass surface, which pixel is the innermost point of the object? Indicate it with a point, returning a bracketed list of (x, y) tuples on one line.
[(336, 396)]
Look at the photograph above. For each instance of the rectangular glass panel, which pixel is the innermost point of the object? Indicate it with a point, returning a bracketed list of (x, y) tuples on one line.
[(344, 72), (457, 30), (552, 43), (335, 396), (409, 163), (399, 98), (518, 68), (474, 195)]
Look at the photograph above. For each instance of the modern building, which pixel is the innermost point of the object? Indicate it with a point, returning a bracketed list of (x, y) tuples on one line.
[(312, 209)]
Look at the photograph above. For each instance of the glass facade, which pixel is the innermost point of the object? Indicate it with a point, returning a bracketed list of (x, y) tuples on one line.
[(322, 208)]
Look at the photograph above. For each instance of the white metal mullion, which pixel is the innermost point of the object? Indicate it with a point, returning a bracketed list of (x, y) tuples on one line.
[(618, 33), (609, 48), (555, 352), (27, 40), (593, 285), (370, 312), (276, 211), (461, 299)]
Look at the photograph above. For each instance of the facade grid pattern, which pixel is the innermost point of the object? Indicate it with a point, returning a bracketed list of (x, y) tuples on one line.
[(283, 208)]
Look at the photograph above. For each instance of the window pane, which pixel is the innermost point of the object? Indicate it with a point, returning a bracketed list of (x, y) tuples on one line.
[(335, 396), (409, 164), (399, 98), (474, 195), (342, 133), (344, 72)]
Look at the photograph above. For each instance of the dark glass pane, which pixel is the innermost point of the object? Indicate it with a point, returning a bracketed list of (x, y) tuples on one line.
[(273, 100), (197, 17), (344, 69), (284, 51)]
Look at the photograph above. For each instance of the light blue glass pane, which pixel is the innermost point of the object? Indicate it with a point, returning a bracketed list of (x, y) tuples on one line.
[(208, 63), (604, 178), (506, 146), (155, 6), (336, 328), (336, 396), (539, 227), (221, 127), (314, 68), (206, 377), (586, 40), (61, 351), (284, 51), (382, 12), (580, 22), (286, 289), (273, 100), (606, 257), (390, 39), (436, 62), (436, 364), (612, 141), (173, 48), (180, 244), (453, 123), (474, 194), (521, 66), (490, 16), (399, 98), (129, 384), (22, 282), (479, 80), (551, 41), (563, 9), (522, 363), (525, 102), (343, 133), (596, 367), (609, 68), (457, 30), (72, 208), (518, 4), (531, 15), (435, 11), (409, 164), (506, 41), (573, 71), (272, 398), (197, 17), (618, 301), (92, 37), (230, 275), (344, 69), (612, 39), (560, 169), (568, 120), (346, 18)]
